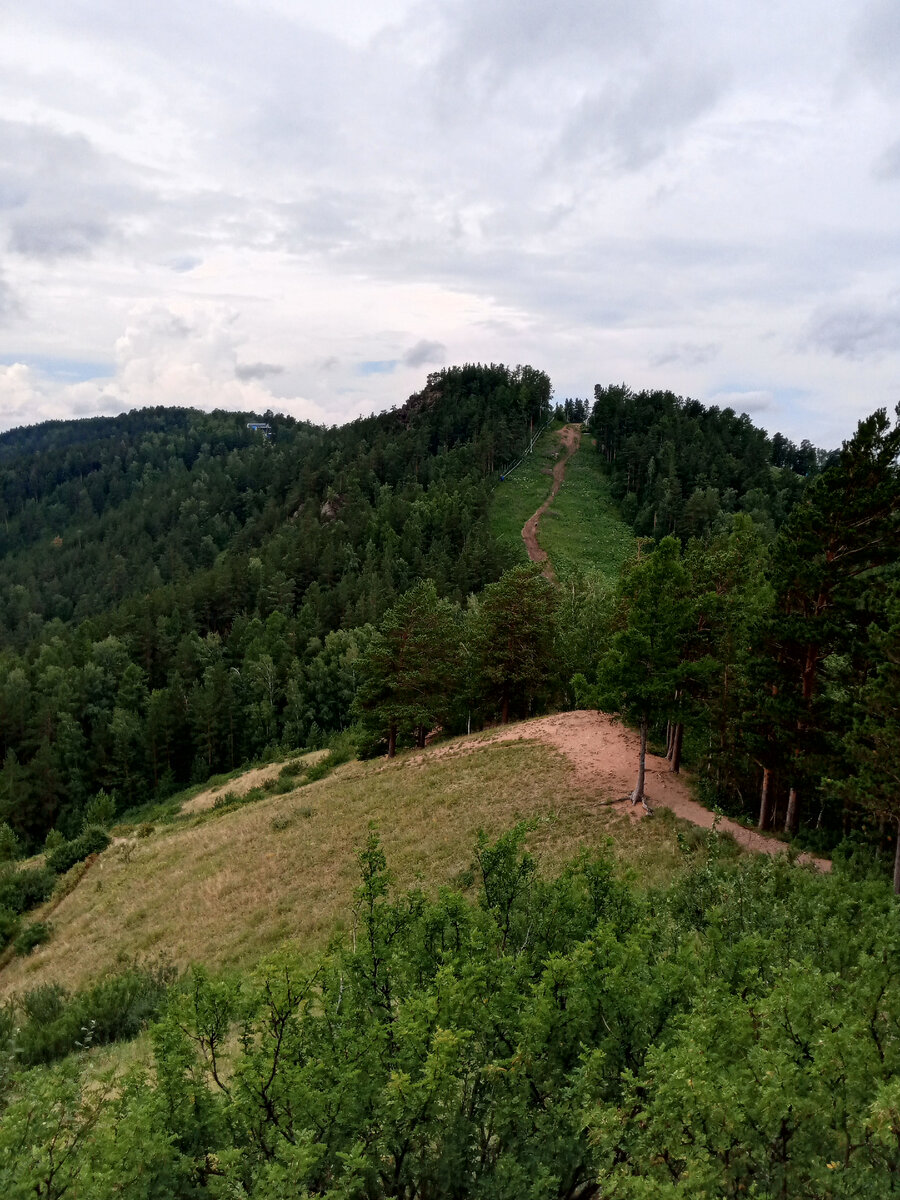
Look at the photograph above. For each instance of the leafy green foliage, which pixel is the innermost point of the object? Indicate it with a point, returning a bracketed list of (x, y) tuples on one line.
[(92, 841), (30, 936), (24, 888), (738, 1034), (49, 1022)]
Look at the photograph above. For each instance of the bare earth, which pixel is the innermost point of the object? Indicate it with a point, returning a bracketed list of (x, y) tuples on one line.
[(604, 755), (570, 437)]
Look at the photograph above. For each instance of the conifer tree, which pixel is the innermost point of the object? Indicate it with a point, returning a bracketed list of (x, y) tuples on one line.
[(513, 636), (410, 671)]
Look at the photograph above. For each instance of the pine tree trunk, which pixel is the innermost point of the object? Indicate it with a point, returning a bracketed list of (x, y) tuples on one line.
[(792, 818), (637, 796), (421, 734), (392, 740), (897, 862), (675, 756), (765, 800), (504, 712)]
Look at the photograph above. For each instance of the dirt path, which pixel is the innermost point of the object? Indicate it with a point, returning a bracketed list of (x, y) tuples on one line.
[(570, 439), (604, 755)]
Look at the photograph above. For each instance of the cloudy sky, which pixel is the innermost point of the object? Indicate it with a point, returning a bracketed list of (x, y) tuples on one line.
[(309, 206)]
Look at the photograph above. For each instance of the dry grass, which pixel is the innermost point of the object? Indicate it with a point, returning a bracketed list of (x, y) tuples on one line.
[(256, 777), (224, 888)]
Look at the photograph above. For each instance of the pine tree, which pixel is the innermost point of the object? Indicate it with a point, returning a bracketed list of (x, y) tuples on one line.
[(410, 671)]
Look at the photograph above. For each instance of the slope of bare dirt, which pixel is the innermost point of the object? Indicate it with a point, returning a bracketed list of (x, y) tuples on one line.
[(604, 755), (570, 438)]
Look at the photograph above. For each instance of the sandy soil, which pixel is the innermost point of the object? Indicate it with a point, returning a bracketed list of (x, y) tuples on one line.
[(604, 754), (569, 437), (244, 783)]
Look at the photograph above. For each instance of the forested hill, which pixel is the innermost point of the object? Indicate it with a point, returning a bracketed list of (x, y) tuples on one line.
[(167, 576), (94, 511), (677, 465)]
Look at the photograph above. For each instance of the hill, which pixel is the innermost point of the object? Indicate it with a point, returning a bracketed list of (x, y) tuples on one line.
[(172, 583), (224, 886)]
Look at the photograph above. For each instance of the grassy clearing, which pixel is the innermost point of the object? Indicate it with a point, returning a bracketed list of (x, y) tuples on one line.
[(583, 528), (517, 497), (225, 887)]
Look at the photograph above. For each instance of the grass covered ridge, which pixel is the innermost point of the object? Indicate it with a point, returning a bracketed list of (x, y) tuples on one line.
[(224, 887)]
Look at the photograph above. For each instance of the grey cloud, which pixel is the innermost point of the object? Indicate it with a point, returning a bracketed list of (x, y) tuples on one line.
[(62, 196), (48, 237), (887, 166), (687, 354), (259, 370), (425, 352), (9, 305), (752, 401), (492, 37), (855, 332), (878, 42), (630, 128)]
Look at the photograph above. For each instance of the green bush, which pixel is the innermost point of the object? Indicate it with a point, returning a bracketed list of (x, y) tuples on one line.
[(25, 888), (100, 810), (9, 926), (53, 841), (32, 935), (57, 1022), (9, 844), (91, 841)]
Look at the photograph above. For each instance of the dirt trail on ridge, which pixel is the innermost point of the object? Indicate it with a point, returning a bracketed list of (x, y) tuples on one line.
[(604, 755), (570, 439)]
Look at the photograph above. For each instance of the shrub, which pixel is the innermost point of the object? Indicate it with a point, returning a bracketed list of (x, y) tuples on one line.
[(9, 844), (32, 935), (145, 830), (53, 841), (100, 810), (115, 1009), (26, 888), (9, 926), (91, 841)]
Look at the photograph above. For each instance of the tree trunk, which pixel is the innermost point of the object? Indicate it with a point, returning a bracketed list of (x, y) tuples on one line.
[(392, 740), (637, 796), (792, 818), (504, 712), (897, 862), (675, 756), (765, 800), (421, 734)]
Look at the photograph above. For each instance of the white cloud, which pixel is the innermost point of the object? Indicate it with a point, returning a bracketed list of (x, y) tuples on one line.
[(216, 200)]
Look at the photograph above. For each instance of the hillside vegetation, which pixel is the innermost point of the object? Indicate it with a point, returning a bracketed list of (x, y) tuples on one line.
[(583, 531)]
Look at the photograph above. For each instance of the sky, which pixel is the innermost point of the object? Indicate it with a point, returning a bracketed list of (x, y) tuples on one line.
[(309, 207)]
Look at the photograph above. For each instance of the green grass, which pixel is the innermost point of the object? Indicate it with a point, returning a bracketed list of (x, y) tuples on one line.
[(582, 530), (517, 497)]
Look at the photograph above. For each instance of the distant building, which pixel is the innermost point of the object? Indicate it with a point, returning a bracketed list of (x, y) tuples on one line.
[(260, 427)]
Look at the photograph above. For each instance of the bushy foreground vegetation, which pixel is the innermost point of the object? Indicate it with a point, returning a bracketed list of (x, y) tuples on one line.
[(737, 1034)]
